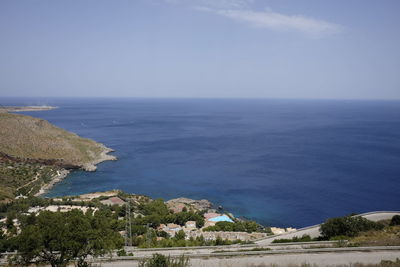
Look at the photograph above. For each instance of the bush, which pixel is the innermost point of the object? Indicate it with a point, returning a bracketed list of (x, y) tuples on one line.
[(247, 226), (304, 238), (159, 260), (395, 220), (121, 253), (347, 226)]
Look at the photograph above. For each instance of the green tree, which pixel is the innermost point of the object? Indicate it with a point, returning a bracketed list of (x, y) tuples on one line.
[(347, 226), (58, 238), (3, 241), (180, 235), (395, 220)]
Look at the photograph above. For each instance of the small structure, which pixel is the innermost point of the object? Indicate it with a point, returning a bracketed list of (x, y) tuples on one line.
[(209, 215), (161, 227), (277, 231), (174, 227), (190, 224), (176, 207), (171, 228), (113, 201)]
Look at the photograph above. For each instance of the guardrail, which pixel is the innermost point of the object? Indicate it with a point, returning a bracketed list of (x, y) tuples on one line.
[(258, 253)]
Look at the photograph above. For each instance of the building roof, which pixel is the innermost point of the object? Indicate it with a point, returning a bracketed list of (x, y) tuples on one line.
[(173, 226), (210, 215), (190, 223)]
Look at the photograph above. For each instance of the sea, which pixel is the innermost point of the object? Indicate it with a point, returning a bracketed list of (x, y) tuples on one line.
[(281, 162)]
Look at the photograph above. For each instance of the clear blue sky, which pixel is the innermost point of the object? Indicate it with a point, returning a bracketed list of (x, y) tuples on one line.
[(200, 48)]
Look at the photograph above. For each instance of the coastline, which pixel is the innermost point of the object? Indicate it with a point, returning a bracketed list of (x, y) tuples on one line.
[(91, 166), (63, 173), (104, 156), (26, 108)]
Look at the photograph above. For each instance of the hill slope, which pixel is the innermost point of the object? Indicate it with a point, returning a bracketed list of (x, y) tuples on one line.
[(33, 152), (28, 137)]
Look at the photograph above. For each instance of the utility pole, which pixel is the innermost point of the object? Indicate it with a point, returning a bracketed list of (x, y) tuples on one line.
[(148, 237), (128, 224)]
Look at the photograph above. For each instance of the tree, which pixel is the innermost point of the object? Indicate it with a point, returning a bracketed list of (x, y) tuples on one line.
[(347, 226), (395, 220), (3, 240), (180, 235), (59, 238)]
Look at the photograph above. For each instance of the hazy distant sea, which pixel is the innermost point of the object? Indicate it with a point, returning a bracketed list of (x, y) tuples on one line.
[(280, 162)]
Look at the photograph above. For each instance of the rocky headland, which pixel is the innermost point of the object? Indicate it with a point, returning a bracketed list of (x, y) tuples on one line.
[(34, 154), (26, 108)]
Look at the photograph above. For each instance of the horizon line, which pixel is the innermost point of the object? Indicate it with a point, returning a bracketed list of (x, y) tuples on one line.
[(208, 98)]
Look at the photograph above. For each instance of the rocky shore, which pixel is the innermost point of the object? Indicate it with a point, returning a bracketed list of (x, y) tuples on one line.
[(104, 156), (56, 179), (63, 173)]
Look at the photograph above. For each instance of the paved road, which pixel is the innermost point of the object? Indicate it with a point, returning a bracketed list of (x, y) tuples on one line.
[(317, 256), (313, 231)]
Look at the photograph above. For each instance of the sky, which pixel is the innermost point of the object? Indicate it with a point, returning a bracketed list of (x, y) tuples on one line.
[(342, 49)]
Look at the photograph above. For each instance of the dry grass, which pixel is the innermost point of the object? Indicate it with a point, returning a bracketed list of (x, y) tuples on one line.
[(27, 137), (395, 263), (45, 145), (389, 236)]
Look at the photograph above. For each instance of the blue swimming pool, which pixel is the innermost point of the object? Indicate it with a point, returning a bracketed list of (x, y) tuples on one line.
[(222, 218)]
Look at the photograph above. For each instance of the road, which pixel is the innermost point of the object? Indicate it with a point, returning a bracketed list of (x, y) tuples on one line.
[(320, 257), (313, 231), (319, 253)]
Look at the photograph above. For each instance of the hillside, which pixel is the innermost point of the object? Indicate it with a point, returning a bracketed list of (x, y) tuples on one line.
[(34, 152), (28, 137)]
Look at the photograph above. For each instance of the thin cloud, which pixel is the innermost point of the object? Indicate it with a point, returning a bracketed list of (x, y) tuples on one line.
[(220, 4), (277, 21), (241, 11)]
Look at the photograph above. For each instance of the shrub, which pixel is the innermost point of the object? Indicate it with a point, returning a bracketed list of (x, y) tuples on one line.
[(121, 252), (395, 220), (304, 238), (246, 226), (347, 226), (159, 260)]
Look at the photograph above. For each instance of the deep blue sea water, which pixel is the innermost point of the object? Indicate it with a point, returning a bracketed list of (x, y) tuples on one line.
[(280, 162)]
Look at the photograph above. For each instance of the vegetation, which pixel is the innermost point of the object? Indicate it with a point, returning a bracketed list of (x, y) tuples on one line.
[(240, 226), (149, 240), (242, 250), (159, 260), (347, 226), (395, 220), (389, 236), (23, 178), (383, 263), (57, 238), (304, 238), (157, 212), (32, 151), (148, 215), (28, 137)]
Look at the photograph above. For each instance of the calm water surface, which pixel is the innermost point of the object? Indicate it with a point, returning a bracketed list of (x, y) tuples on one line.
[(280, 162)]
